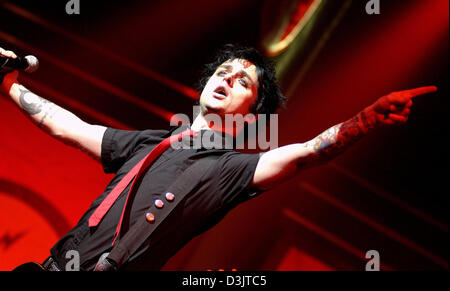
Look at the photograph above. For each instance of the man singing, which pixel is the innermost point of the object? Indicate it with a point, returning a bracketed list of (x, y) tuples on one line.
[(139, 221)]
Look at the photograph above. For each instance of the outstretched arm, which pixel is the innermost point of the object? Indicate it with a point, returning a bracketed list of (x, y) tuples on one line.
[(279, 164), (51, 118)]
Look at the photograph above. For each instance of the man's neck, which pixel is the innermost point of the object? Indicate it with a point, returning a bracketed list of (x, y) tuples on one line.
[(201, 123)]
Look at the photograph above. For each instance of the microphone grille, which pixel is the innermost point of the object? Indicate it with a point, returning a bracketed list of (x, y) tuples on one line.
[(33, 64)]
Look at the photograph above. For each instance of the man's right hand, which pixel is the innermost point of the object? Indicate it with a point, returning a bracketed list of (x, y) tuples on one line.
[(53, 119), (9, 78)]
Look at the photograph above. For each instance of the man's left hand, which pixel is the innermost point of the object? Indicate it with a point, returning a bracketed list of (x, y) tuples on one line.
[(394, 108)]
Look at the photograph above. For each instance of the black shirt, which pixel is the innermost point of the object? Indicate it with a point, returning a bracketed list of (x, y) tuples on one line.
[(223, 187)]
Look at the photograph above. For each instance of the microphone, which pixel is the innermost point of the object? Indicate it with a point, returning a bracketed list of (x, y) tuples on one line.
[(28, 64)]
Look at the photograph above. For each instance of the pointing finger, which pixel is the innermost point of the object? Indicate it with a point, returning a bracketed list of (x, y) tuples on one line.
[(421, 91)]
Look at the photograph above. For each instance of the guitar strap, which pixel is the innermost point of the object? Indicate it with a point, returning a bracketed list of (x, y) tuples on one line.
[(143, 228)]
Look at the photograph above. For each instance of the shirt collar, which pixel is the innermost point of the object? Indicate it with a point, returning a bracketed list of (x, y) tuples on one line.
[(208, 138)]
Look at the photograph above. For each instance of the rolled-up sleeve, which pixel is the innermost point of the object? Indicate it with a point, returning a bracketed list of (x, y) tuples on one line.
[(235, 173), (119, 145)]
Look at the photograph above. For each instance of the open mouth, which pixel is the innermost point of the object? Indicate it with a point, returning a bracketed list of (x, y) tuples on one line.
[(220, 92)]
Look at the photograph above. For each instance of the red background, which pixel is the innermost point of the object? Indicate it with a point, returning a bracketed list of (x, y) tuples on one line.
[(387, 193)]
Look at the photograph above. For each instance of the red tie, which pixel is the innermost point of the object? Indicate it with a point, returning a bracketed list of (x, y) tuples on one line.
[(135, 173)]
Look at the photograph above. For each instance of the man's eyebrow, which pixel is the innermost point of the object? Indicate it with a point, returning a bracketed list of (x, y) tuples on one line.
[(225, 67)]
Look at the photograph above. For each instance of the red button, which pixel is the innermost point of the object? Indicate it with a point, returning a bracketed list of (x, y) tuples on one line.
[(150, 217), (170, 196), (159, 203)]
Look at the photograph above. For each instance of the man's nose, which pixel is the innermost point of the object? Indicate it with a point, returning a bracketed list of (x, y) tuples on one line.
[(229, 80)]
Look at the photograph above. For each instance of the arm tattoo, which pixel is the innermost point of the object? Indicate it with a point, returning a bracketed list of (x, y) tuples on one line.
[(33, 106), (49, 112), (36, 104), (338, 138)]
